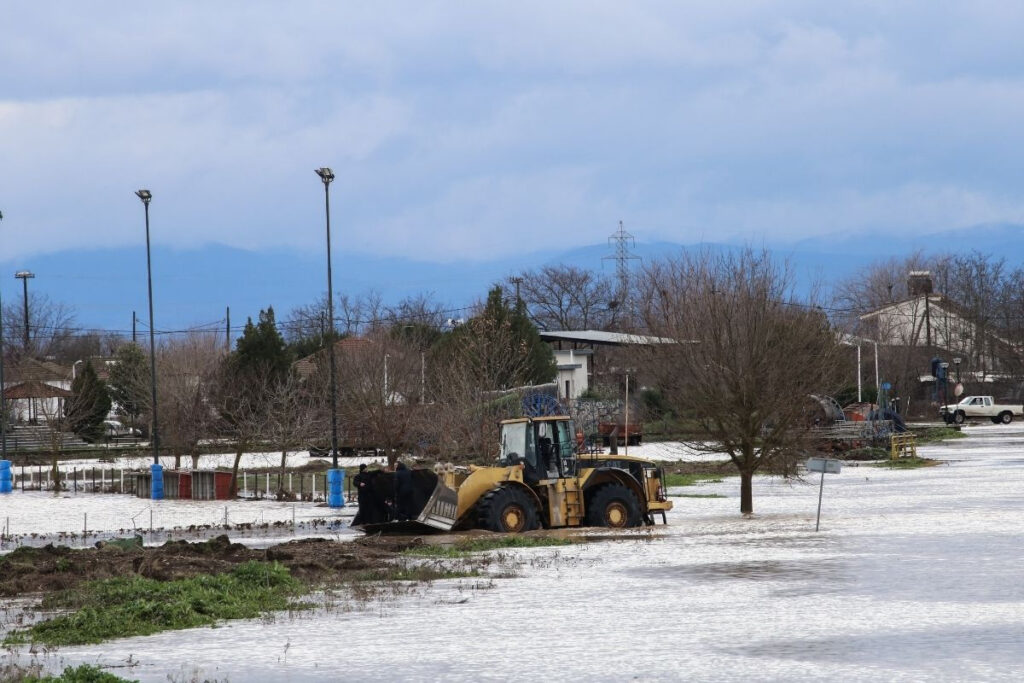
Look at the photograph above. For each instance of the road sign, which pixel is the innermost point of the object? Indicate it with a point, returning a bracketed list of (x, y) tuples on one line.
[(823, 465)]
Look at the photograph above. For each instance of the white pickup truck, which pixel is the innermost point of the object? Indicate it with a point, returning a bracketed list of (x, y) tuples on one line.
[(981, 406)]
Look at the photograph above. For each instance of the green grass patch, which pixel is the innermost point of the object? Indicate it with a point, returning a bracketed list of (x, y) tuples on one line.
[(476, 545), (938, 433), (673, 479), (867, 453), (136, 606), (696, 495), (905, 463), (86, 673)]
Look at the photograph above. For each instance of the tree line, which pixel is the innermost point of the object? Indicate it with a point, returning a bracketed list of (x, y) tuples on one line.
[(740, 350)]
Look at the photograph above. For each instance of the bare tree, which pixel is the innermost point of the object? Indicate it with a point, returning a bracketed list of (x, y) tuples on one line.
[(242, 398), (744, 357), (420, 311), (380, 386), (471, 383), (563, 297), (295, 415), (55, 418), (185, 368), (50, 325)]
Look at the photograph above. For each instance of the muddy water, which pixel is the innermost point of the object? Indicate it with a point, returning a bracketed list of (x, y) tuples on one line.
[(915, 575)]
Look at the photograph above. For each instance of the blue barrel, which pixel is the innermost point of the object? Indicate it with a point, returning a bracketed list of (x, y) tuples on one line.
[(335, 480), (5, 476), (157, 491)]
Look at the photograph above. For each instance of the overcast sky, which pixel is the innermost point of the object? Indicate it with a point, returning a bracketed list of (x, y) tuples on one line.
[(476, 130)]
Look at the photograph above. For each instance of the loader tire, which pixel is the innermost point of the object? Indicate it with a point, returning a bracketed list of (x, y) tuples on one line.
[(507, 509), (614, 505)]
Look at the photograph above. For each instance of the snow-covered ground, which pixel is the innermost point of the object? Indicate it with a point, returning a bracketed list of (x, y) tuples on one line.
[(915, 575)]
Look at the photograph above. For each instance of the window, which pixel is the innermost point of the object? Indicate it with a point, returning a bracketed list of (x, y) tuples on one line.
[(514, 442)]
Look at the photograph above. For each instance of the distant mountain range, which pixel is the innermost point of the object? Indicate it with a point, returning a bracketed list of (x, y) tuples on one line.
[(195, 286)]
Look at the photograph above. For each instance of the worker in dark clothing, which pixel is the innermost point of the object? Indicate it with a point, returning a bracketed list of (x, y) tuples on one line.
[(404, 492), (546, 457), (373, 507), (362, 484)]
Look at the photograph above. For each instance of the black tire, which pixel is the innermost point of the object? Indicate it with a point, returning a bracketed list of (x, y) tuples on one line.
[(996, 420), (959, 417), (614, 505), (507, 509), (1006, 417)]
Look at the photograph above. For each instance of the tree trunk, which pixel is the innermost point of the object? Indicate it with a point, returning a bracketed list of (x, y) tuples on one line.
[(55, 475), (233, 491), (195, 459), (280, 476), (746, 493)]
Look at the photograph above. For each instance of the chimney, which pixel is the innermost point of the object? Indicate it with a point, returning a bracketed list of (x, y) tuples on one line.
[(919, 282)]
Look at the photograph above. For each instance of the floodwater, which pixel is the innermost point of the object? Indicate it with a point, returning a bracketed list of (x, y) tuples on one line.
[(915, 575)]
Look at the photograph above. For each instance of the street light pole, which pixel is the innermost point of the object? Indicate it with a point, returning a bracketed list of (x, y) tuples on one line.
[(334, 475), (25, 276), (157, 489), (5, 464)]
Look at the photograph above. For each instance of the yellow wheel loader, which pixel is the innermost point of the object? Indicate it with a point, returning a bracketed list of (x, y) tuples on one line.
[(538, 482)]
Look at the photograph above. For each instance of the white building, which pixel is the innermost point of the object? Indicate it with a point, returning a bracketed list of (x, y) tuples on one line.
[(573, 372)]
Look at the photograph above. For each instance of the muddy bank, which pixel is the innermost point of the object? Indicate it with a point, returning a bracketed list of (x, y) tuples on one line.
[(313, 561)]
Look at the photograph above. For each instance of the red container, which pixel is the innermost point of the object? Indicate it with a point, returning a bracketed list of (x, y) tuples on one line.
[(185, 485), (222, 485)]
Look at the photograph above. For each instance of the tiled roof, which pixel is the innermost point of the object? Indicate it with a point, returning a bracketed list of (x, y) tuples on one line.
[(35, 389), (31, 369)]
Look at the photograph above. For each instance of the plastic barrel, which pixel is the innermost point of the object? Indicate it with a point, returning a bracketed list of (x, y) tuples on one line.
[(5, 476), (335, 479), (157, 491)]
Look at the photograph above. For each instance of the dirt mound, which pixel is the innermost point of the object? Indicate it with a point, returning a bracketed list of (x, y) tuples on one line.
[(316, 561)]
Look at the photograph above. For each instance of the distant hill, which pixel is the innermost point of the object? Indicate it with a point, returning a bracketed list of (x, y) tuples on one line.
[(195, 286)]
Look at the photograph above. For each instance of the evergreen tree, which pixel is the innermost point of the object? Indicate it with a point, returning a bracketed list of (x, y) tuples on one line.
[(90, 404), (261, 348), (129, 382)]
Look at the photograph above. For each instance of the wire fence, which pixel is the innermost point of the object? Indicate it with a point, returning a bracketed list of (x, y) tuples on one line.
[(298, 486)]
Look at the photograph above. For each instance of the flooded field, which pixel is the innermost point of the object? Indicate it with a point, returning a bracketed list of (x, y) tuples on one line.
[(915, 575)]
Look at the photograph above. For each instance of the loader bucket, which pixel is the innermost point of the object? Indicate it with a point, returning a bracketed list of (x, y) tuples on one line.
[(423, 503)]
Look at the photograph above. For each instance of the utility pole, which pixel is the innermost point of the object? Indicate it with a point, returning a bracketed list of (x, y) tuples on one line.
[(25, 276), (516, 280), (134, 319), (227, 337)]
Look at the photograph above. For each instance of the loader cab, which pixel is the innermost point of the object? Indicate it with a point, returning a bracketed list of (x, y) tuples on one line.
[(543, 445)]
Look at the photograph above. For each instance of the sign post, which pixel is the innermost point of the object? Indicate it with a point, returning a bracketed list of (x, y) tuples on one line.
[(825, 466)]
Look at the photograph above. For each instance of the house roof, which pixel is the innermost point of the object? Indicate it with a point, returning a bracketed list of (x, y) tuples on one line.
[(306, 366), (35, 389), (940, 300), (602, 337), (30, 369)]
